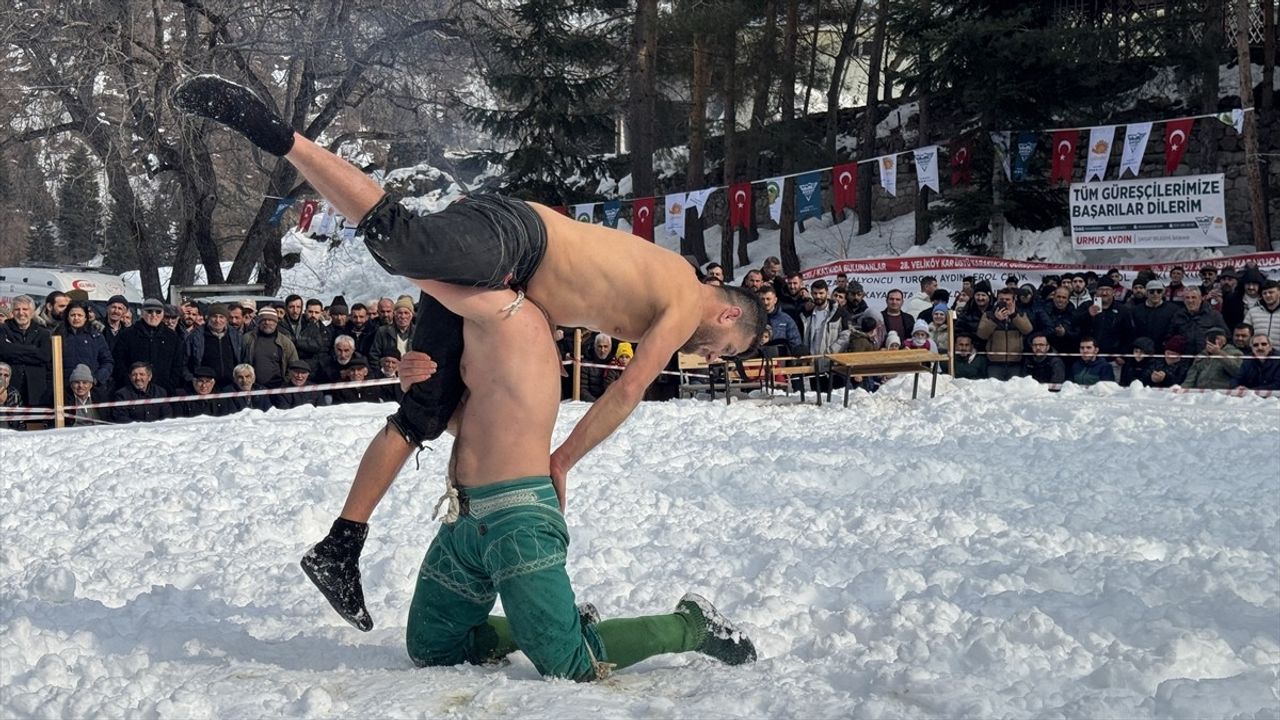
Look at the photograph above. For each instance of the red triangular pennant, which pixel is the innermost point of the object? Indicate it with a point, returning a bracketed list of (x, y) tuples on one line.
[(740, 206), (1064, 155), (1177, 133), (642, 218), (844, 187)]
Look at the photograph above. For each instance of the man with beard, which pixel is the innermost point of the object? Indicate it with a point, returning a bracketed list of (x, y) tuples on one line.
[(361, 329), (1043, 364), (826, 328), (117, 312), (268, 351), (1261, 370)]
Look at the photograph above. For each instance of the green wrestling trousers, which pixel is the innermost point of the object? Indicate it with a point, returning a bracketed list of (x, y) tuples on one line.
[(511, 542)]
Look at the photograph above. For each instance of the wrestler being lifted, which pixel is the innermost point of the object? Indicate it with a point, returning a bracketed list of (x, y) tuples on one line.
[(468, 259)]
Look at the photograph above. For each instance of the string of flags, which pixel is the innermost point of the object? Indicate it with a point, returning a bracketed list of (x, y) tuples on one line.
[(1015, 152)]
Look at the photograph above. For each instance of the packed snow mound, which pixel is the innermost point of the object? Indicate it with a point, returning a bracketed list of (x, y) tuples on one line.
[(998, 551)]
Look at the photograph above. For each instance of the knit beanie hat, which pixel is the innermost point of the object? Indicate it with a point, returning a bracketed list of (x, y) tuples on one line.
[(892, 339), (404, 301), (941, 308), (624, 350), (920, 327), (1176, 344), (81, 373)]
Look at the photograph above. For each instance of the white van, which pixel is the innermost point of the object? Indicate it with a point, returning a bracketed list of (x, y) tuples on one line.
[(40, 280)]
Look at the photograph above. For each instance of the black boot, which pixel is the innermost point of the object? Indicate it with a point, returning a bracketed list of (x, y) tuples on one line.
[(720, 639), (333, 564), (233, 105)]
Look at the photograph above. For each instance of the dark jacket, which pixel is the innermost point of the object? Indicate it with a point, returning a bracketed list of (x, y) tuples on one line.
[(288, 401), (385, 341), (204, 348), (284, 353), (1047, 370), (28, 353), (1155, 323), (794, 307), (1258, 374), (1111, 329), (1069, 341), (140, 413), (783, 330), (363, 336), (96, 395), (971, 367), (1194, 327), (309, 338), (159, 346), (213, 407), (257, 402), (1174, 374), (88, 347), (1091, 373), (901, 324)]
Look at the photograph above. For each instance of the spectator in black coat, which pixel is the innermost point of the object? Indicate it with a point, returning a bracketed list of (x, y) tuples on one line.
[(1196, 318), (1106, 321), (299, 376), (1138, 368), (1260, 371), (204, 382), (361, 329), (357, 371), (245, 379), (1060, 316), (25, 347), (1043, 364), (215, 345), (1171, 369), (82, 345), (152, 343), (1154, 318), (140, 386)]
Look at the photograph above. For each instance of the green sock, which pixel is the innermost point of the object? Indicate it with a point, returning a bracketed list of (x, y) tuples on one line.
[(627, 641), (493, 640)]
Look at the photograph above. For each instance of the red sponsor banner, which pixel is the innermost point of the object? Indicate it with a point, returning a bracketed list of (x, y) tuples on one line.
[(960, 161), (308, 212), (844, 187), (740, 206), (1064, 155), (642, 218), (1177, 133)]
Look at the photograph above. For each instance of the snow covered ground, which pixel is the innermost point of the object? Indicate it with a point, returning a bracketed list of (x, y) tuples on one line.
[(998, 551)]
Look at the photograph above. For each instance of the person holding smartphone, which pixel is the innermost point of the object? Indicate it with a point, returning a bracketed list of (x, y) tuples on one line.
[(1003, 327)]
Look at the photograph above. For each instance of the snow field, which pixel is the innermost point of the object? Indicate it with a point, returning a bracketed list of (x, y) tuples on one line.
[(998, 551)]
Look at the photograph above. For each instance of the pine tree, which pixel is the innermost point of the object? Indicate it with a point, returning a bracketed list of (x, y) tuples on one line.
[(553, 70), (42, 243), (117, 246), (79, 208)]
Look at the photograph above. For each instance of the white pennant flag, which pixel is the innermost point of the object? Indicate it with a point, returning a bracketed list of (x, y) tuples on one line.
[(1001, 141), (1100, 140), (889, 173), (1235, 119), (773, 187), (324, 224), (927, 167), (1135, 146), (697, 199), (585, 212), (675, 214)]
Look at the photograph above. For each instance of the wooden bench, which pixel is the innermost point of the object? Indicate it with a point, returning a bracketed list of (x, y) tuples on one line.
[(887, 362), (698, 376)]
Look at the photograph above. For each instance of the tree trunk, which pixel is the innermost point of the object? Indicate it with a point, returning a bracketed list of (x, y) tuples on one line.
[(923, 225), (839, 64), (1268, 55), (867, 148), (641, 108), (787, 82), (1256, 202), (997, 222), (764, 66), (261, 233), (1211, 53), (695, 179), (787, 237), (729, 89), (813, 55)]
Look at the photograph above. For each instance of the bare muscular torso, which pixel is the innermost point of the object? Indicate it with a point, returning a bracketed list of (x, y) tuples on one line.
[(503, 429), (604, 279)]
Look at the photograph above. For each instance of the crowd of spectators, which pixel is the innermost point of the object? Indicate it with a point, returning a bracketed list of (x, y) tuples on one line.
[(1085, 328), (1223, 332)]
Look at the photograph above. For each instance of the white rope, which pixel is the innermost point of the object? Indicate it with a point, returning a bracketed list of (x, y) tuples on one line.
[(454, 508), (514, 306)]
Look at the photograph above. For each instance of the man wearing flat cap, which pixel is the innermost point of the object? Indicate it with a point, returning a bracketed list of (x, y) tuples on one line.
[(152, 342), (215, 345)]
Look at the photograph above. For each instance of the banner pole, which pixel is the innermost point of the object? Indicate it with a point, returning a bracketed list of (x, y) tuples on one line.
[(951, 342)]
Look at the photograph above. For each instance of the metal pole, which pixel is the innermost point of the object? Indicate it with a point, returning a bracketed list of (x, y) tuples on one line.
[(951, 342)]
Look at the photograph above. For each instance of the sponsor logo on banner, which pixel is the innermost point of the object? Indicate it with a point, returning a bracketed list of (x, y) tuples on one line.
[(808, 196), (889, 174), (1135, 146), (1149, 213), (612, 209), (927, 167), (1100, 139), (773, 190)]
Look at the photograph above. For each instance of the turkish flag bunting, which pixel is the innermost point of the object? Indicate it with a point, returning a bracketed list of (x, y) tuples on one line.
[(960, 159), (642, 218), (844, 187), (1064, 155), (1176, 135), (308, 212), (740, 206)]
